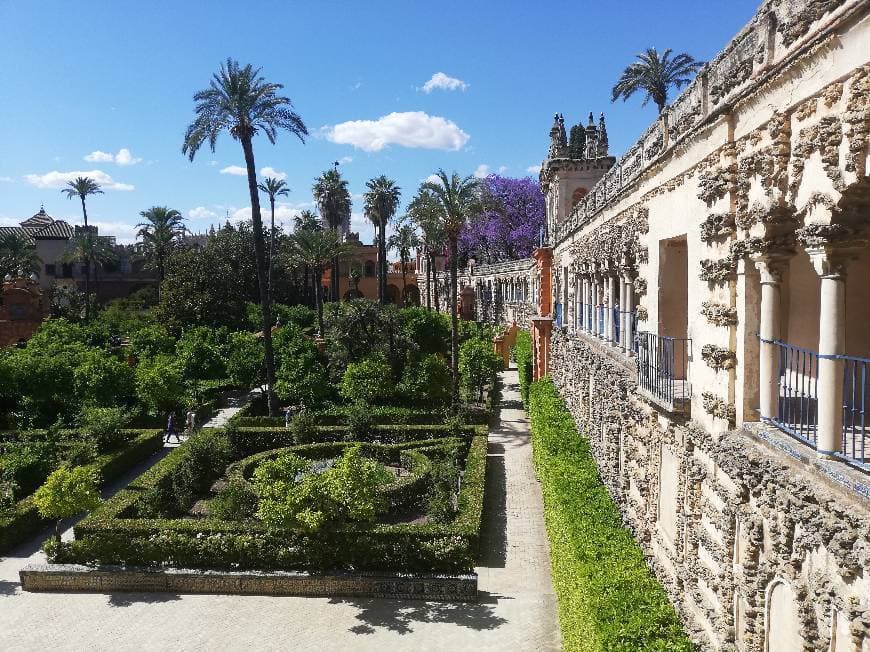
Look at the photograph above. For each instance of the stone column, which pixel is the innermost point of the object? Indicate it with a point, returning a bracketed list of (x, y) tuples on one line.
[(623, 300), (587, 295), (596, 297), (609, 322), (628, 280), (831, 267), (771, 269)]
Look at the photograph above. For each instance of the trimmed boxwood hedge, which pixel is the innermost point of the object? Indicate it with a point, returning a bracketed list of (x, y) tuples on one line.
[(381, 415), (522, 354), (107, 537), (24, 521), (608, 599)]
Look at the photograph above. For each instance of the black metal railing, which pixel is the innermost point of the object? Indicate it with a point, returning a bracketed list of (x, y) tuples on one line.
[(855, 404), (663, 367), (797, 402)]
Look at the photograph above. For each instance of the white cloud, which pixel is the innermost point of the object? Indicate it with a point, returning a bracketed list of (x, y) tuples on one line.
[(359, 223), (443, 82), (235, 170), (432, 178), (481, 171), (7, 179), (346, 159), (124, 157), (201, 213), (284, 214), (533, 169), (57, 179), (10, 221), (271, 172), (502, 169), (408, 129)]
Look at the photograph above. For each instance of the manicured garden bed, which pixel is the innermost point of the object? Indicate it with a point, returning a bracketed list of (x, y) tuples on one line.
[(22, 520), (608, 598), (151, 524)]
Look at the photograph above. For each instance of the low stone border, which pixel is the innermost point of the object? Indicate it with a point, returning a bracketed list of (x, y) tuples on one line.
[(110, 579)]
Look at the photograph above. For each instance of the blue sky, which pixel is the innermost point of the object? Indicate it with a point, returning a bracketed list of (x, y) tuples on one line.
[(106, 88)]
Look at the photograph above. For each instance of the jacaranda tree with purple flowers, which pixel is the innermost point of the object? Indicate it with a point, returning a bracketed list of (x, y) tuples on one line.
[(510, 224)]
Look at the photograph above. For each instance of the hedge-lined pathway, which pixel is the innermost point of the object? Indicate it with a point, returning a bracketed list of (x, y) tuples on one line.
[(517, 610)]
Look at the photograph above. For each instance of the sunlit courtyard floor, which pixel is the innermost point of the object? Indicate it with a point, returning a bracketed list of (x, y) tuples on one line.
[(517, 610)]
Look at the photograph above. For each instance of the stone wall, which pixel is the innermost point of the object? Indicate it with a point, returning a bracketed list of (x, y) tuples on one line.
[(752, 546)]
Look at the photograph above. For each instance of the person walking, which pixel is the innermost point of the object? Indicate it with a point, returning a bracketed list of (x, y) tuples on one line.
[(170, 429), (190, 422)]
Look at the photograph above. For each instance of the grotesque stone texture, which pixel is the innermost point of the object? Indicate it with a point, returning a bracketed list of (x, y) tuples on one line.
[(718, 358), (719, 314), (717, 226)]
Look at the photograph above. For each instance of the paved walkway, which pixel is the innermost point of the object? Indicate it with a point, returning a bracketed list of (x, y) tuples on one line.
[(517, 610)]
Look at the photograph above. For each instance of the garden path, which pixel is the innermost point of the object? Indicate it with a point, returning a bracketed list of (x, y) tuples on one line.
[(517, 610)]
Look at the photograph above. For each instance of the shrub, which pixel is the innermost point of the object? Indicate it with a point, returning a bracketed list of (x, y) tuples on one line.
[(26, 466), (103, 380), (428, 330), (522, 354), (159, 384), (200, 357), (237, 501), (369, 381), (151, 341), (478, 366), (244, 361), (303, 428), (104, 427), (360, 421), (67, 492), (608, 599), (445, 474), (427, 382), (301, 377)]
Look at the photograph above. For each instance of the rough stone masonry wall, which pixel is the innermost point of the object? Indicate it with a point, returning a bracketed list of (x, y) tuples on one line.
[(738, 534)]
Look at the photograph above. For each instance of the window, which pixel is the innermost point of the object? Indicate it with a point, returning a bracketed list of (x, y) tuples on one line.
[(370, 268)]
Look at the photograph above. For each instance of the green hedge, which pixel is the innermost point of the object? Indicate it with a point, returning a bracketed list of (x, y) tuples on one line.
[(608, 599), (24, 521), (107, 537), (522, 354), (381, 415)]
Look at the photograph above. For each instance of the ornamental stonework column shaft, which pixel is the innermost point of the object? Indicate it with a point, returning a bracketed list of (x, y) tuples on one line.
[(831, 267), (628, 309), (622, 314), (609, 322), (596, 301), (771, 269)]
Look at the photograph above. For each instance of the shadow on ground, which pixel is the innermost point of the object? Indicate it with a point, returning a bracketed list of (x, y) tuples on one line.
[(400, 617), (493, 537), (8, 588), (129, 599)]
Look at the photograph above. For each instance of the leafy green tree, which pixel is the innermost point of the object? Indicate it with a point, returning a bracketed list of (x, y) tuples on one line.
[(67, 492), (427, 212), (160, 234), (302, 376), (381, 201), (84, 187), (478, 366), (404, 240), (151, 341), (333, 201), (427, 382), (102, 380), (18, 257), (273, 188), (242, 102), (459, 199), (352, 486), (200, 357), (368, 381), (160, 384), (654, 75), (244, 364), (429, 331), (316, 249), (104, 427)]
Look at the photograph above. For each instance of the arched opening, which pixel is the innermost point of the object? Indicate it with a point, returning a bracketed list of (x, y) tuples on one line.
[(370, 268), (577, 195)]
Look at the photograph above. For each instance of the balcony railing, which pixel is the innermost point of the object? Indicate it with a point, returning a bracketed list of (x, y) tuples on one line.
[(663, 368), (557, 314), (797, 404)]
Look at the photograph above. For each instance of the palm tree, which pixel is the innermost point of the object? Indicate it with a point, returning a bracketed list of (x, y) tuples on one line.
[(333, 201), (317, 248), (459, 199), (18, 257), (306, 219), (380, 204), (273, 188), (81, 188), (91, 250), (242, 102), (654, 75), (427, 213), (404, 240), (160, 234)]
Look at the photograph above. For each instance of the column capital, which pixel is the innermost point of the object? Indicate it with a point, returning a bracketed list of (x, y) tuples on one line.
[(629, 273), (771, 266), (831, 261)]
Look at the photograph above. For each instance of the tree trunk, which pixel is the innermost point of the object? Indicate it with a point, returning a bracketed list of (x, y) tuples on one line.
[(428, 281), (454, 332), (87, 266), (333, 281), (271, 249), (259, 252), (382, 251), (404, 300), (435, 286), (318, 300)]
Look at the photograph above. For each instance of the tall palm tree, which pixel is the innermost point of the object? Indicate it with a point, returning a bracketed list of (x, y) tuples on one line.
[(82, 187), (333, 201), (654, 75), (427, 213), (317, 248), (18, 257), (380, 203), (306, 219), (160, 234), (242, 102), (459, 199), (273, 188), (92, 251), (404, 240)]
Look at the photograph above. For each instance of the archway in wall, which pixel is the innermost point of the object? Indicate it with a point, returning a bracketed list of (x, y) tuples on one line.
[(412, 296), (577, 195), (393, 294)]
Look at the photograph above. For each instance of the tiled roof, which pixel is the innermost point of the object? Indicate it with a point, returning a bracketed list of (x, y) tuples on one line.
[(15, 230), (39, 219), (57, 230)]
